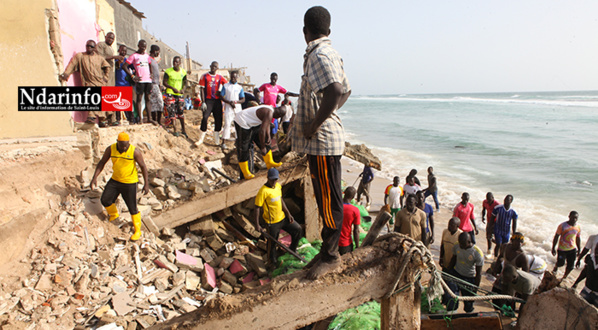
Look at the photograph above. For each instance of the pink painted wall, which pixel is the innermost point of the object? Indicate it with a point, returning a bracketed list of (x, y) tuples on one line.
[(77, 25)]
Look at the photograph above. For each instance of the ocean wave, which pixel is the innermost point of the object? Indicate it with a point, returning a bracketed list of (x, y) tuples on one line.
[(538, 218), (468, 99)]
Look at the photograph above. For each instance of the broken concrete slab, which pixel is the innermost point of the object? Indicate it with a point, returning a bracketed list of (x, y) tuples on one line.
[(208, 277), (162, 262), (121, 304), (256, 262), (192, 281), (184, 260), (237, 268)]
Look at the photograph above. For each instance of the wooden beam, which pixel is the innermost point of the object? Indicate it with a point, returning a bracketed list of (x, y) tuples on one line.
[(220, 199), (313, 225), (291, 301)]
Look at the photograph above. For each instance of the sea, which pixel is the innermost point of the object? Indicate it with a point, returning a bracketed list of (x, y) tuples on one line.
[(540, 147)]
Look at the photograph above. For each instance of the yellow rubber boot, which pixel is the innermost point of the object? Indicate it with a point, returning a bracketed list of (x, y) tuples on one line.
[(270, 161), (112, 212), (137, 225), (245, 169)]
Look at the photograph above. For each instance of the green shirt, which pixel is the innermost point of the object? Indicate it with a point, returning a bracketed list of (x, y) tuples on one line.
[(175, 79)]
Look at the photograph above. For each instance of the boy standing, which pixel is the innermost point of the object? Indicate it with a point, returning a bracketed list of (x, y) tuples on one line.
[(488, 206), (466, 265), (450, 238), (393, 196), (351, 220), (275, 214), (568, 235)]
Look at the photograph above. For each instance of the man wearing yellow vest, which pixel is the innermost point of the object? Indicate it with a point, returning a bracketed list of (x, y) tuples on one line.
[(174, 80), (124, 180)]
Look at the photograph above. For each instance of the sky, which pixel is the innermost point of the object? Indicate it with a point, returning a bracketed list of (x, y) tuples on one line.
[(396, 47)]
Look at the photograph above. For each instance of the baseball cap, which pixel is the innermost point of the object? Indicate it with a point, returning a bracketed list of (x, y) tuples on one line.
[(272, 174)]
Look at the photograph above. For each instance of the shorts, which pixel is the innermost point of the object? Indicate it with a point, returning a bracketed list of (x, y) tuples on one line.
[(177, 106), (156, 101), (345, 249), (502, 238), (568, 256), (393, 213), (143, 88)]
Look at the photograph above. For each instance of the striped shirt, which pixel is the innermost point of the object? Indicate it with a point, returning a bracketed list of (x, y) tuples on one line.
[(503, 218), (322, 67)]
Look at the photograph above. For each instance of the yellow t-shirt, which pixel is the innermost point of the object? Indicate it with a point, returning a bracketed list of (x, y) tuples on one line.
[(449, 240), (270, 199), (123, 165)]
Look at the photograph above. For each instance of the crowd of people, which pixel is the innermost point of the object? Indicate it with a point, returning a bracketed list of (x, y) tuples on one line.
[(517, 272), (324, 90)]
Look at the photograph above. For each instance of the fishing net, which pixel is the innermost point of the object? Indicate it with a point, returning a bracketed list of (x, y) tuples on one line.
[(289, 264), (366, 316), (433, 306)]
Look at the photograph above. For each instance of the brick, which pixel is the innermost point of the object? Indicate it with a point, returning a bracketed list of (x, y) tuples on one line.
[(192, 281), (225, 287), (229, 278), (257, 264), (237, 268), (164, 263), (208, 278), (186, 261)]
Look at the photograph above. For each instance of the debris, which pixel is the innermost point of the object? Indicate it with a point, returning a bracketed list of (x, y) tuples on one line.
[(121, 304)]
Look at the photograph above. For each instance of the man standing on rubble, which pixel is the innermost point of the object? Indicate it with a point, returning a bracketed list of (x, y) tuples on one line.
[(94, 70), (253, 126), (275, 214), (124, 180), (104, 48), (318, 132), (210, 84)]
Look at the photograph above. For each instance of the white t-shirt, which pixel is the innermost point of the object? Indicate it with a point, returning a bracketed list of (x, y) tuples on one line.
[(411, 190), (591, 243), (248, 118), (394, 197), (232, 92), (288, 114)]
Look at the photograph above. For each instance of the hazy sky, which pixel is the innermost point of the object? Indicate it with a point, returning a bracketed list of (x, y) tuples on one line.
[(396, 47)]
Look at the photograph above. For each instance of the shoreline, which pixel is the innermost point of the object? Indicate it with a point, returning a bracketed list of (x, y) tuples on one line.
[(350, 171)]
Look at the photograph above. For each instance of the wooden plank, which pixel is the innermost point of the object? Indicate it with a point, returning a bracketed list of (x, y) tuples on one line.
[(220, 199), (401, 310), (376, 227), (313, 224), (364, 275)]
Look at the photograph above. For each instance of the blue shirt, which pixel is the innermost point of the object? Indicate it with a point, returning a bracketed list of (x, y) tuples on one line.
[(367, 174), (429, 212), (120, 76), (503, 218)]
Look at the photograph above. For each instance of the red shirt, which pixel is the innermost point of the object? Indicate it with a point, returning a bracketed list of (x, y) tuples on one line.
[(212, 85), (489, 207), (351, 216), (465, 213)]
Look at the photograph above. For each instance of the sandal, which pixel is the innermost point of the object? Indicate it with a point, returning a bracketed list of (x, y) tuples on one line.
[(90, 120)]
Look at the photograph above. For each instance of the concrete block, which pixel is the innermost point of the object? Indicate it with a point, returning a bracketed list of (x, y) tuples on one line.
[(162, 262), (192, 281), (184, 260), (208, 278), (257, 264), (229, 278), (237, 268)]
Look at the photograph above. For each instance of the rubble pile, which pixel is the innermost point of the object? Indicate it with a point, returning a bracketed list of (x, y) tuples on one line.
[(88, 273)]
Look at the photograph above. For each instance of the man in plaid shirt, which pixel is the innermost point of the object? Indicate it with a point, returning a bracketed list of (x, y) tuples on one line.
[(318, 131)]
